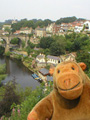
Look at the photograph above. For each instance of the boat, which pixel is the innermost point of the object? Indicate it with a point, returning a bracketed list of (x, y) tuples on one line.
[(36, 77)]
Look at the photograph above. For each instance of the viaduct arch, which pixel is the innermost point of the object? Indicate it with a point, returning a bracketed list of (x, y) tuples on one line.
[(8, 38)]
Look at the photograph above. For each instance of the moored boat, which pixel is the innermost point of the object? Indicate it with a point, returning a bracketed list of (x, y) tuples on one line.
[(36, 77)]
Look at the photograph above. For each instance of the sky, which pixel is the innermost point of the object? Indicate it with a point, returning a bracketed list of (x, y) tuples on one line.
[(43, 9)]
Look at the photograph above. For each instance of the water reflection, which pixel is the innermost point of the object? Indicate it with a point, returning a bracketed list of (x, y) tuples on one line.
[(16, 69)]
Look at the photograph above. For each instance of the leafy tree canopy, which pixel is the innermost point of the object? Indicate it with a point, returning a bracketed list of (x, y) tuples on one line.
[(2, 49), (15, 41), (66, 20), (46, 42), (58, 46)]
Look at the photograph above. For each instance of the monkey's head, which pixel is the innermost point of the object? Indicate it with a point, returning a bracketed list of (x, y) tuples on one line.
[(68, 79)]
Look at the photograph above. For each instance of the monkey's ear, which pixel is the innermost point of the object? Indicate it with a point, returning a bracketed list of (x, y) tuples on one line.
[(82, 65), (51, 71)]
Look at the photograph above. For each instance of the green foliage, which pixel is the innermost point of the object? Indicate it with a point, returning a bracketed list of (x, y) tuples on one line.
[(18, 57), (76, 45), (2, 72), (2, 77), (14, 41), (7, 53), (75, 42), (66, 20), (30, 23), (10, 96), (28, 50), (2, 49), (46, 42), (31, 45), (2, 69), (7, 29), (47, 51), (84, 56), (30, 35), (23, 44), (20, 112), (58, 46), (88, 73)]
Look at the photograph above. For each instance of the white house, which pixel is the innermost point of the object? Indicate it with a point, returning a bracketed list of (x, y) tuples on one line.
[(78, 29), (26, 30), (6, 26), (53, 59), (87, 25), (41, 32), (49, 28), (40, 60), (68, 57)]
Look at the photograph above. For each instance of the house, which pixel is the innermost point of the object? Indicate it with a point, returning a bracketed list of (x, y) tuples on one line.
[(26, 30), (17, 32), (78, 29), (14, 21), (34, 39), (40, 59), (49, 28), (43, 72), (53, 59), (45, 76), (67, 57), (56, 29), (6, 26), (87, 26), (40, 32), (1, 32)]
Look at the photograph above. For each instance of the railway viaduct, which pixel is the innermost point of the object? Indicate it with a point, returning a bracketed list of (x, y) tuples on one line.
[(8, 38)]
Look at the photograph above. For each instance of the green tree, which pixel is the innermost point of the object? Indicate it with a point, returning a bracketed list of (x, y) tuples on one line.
[(76, 46), (23, 44), (28, 50), (84, 56), (66, 20), (7, 29), (34, 97), (2, 72), (2, 49), (58, 46), (31, 45), (46, 42), (14, 41), (10, 96)]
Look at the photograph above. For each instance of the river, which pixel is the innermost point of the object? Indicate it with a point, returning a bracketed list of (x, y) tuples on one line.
[(22, 75)]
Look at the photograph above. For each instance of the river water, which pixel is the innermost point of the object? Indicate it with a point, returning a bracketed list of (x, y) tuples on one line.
[(15, 69)]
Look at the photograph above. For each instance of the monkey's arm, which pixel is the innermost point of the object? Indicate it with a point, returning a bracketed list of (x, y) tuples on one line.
[(42, 110)]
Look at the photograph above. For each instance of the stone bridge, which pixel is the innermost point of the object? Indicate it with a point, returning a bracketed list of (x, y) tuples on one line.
[(8, 38)]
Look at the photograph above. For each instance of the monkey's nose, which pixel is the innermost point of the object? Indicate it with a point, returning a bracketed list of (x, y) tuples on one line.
[(67, 82)]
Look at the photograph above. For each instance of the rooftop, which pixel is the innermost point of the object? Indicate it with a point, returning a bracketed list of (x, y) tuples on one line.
[(44, 71)]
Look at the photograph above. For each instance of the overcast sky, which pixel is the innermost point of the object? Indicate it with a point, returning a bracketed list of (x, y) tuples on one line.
[(43, 9)]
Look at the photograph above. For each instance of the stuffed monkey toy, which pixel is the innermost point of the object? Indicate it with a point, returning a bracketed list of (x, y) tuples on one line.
[(70, 97)]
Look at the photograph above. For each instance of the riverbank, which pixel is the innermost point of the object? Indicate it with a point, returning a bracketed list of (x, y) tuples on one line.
[(16, 69), (28, 62)]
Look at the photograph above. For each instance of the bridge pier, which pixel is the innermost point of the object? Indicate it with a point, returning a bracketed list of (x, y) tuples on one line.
[(26, 41), (7, 48), (20, 46)]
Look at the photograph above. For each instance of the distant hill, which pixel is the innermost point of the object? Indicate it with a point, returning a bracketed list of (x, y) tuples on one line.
[(68, 20)]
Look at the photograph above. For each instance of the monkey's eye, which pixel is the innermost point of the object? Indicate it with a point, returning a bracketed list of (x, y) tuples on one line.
[(73, 68), (58, 71)]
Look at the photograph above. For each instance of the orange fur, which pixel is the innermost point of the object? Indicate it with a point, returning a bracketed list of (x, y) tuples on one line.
[(70, 98)]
